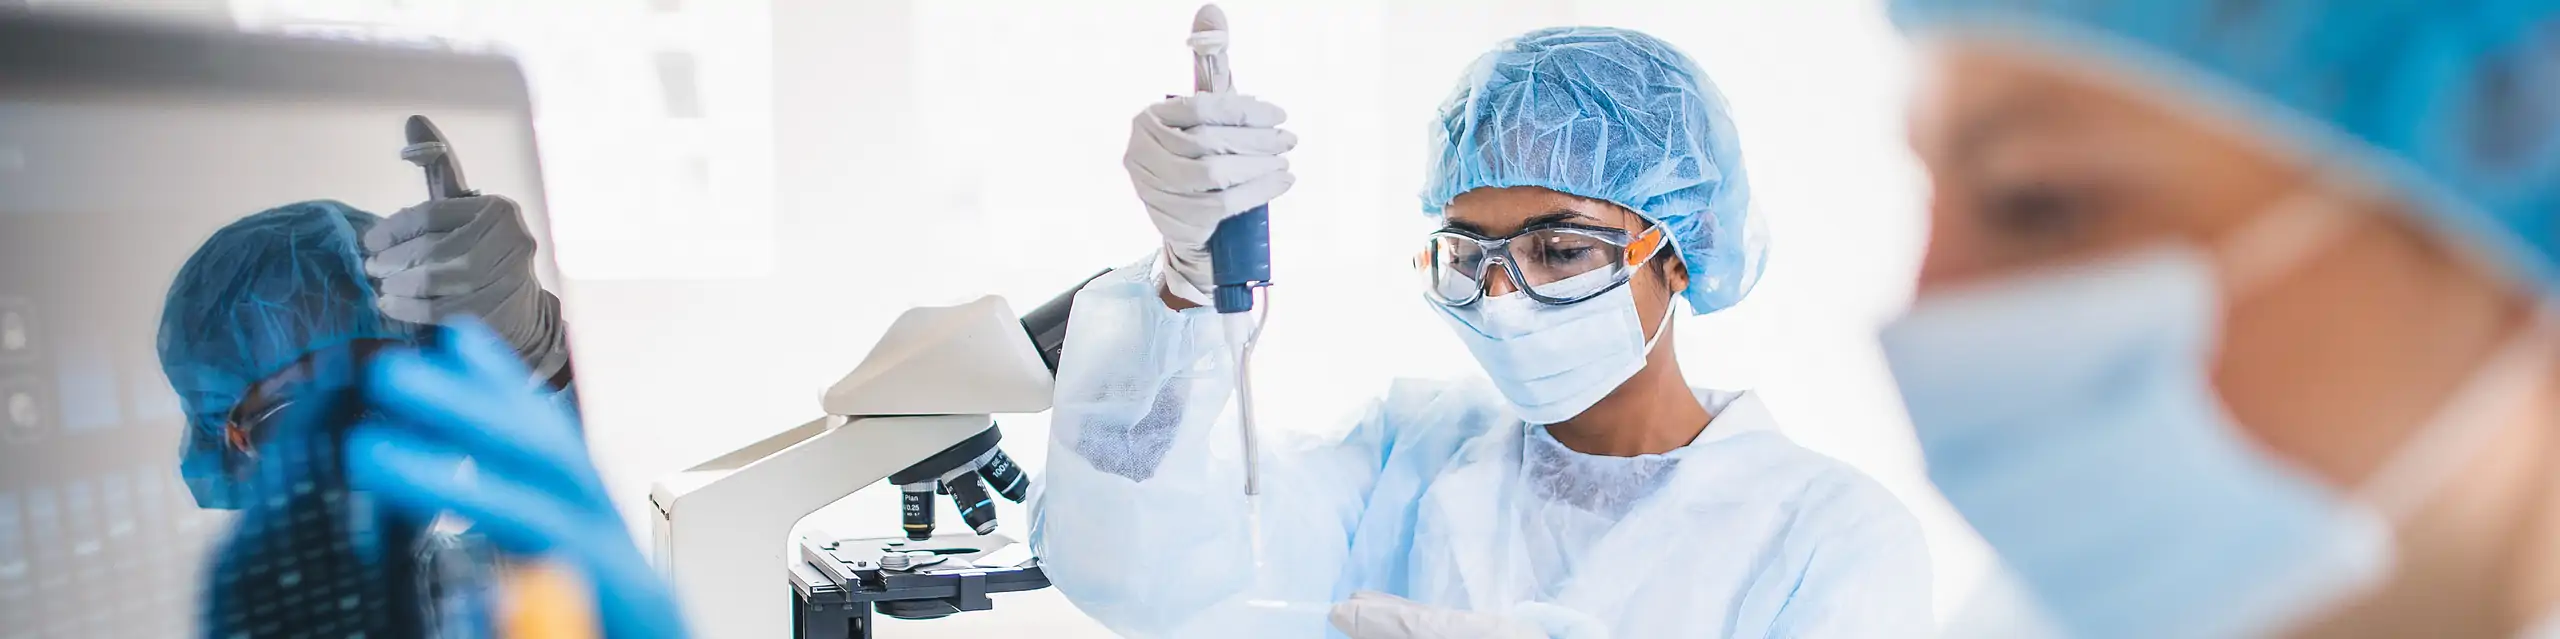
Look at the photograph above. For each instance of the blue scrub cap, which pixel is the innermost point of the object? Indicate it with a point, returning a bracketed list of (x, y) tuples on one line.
[(2452, 104), (259, 294), (1614, 115)]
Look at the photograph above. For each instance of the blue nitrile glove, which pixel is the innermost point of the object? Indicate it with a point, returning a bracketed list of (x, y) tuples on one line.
[(535, 492)]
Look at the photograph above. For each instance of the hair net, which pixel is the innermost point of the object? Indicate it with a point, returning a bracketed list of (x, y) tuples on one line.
[(2455, 104), (259, 294), (1615, 115)]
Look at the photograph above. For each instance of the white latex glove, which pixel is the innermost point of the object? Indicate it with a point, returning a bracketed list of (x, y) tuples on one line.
[(1374, 615), (467, 256), (1197, 160)]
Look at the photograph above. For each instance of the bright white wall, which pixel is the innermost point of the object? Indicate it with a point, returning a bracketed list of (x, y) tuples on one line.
[(867, 156)]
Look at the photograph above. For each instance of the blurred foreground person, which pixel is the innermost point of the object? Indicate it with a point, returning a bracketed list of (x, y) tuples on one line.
[(2235, 319)]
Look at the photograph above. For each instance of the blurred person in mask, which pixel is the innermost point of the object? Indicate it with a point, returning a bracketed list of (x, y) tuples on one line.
[(1589, 181), (247, 333), (2236, 316)]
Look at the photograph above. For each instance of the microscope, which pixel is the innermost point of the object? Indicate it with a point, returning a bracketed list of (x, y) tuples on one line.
[(918, 413)]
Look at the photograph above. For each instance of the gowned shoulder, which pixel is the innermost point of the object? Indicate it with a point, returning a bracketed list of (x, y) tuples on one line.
[(1826, 496), (1859, 563), (1849, 503)]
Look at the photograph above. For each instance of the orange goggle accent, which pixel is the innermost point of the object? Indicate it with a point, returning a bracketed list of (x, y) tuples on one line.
[(1644, 246)]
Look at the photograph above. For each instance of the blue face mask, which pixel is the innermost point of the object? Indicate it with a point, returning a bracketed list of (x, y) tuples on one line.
[(2070, 416), (2071, 420), (1553, 362)]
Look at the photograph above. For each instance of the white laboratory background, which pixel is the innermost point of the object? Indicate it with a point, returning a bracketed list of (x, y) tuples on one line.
[(746, 192)]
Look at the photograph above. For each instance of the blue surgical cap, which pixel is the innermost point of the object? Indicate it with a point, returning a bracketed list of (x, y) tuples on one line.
[(259, 294), (1613, 115), (2454, 105)]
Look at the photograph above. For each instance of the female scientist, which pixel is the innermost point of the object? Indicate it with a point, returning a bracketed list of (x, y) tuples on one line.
[(2235, 318), (1586, 178)]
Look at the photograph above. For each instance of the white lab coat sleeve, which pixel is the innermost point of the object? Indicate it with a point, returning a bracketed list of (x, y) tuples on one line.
[(1868, 574), (1139, 517)]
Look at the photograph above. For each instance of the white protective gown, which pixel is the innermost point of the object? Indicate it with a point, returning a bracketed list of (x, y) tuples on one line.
[(1439, 495)]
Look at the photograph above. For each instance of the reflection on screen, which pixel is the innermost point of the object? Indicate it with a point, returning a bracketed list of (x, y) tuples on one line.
[(103, 196)]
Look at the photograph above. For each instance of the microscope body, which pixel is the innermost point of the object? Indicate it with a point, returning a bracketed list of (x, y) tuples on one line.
[(933, 383), (723, 530)]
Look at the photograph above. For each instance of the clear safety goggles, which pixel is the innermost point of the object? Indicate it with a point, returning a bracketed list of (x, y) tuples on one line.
[(1548, 263), (252, 419)]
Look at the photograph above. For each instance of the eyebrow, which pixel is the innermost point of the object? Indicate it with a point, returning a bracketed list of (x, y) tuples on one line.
[(1558, 216), (2007, 116), (1550, 218)]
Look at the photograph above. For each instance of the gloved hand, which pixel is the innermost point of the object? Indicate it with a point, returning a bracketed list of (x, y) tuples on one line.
[(535, 493), (1374, 615), (1197, 160), (468, 256)]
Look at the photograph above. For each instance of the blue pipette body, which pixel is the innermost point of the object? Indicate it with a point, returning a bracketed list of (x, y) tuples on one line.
[(1240, 258)]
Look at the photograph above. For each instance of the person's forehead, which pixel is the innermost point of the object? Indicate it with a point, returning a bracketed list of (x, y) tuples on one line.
[(298, 374), (1978, 97), (1982, 93), (1503, 209)]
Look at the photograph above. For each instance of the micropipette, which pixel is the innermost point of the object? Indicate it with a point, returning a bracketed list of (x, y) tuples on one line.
[(428, 149), (1240, 265), (1239, 249), (465, 570)]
